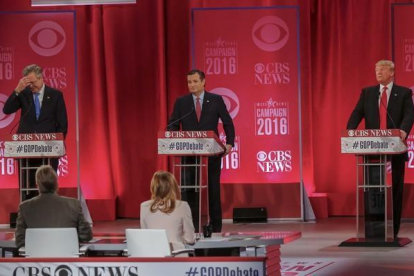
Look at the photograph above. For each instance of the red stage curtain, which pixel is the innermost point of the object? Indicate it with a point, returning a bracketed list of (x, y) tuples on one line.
[(133, 61)]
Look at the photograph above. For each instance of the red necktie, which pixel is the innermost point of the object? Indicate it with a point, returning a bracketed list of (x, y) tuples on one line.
[(383, 109), (198, 108)]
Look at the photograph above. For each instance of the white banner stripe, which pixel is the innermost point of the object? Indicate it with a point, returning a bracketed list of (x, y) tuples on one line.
[(40, 3), (133, 268)]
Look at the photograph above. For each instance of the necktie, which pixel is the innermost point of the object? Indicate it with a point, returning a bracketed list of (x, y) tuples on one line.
[(37, 105), (383, 109), (198, 108)]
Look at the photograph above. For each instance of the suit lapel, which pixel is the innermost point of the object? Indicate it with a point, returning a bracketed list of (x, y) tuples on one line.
[(45, 101), (192, 106), (393, 99), (376, 94), (31, 107), (206, 103)]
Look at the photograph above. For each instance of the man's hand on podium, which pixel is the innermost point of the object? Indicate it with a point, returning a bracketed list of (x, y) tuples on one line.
[(228, 149), (403, 135)]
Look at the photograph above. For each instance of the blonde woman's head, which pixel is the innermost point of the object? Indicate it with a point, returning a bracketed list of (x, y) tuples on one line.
[(164, 192)]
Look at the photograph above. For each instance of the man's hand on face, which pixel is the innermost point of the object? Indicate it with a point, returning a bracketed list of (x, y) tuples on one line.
[(23, 82)]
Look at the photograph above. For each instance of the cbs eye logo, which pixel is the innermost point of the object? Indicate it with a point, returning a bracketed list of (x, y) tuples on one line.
[(230, 99), (259, 68), (47, 38), (5, 120), (63, 270), (270, 33), (261, 156)]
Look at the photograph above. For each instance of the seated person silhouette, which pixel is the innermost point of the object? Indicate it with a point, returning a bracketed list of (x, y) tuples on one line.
[(50, 210), (166, 211)]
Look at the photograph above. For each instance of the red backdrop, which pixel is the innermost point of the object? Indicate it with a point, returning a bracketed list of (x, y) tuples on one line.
[(259, 84), (133, 61)]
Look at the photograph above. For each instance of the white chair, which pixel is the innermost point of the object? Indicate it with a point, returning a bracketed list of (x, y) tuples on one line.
[(150, 243), (51, 243)]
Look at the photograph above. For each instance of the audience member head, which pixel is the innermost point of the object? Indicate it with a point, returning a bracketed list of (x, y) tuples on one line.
[(46, 179), (164, 192)]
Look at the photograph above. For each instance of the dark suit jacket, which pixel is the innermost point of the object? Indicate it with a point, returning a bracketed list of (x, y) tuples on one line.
[(52, 118), (212, 110), (51, 211), (400, 109)]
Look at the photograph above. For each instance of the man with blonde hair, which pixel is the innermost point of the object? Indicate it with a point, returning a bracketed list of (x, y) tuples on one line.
[(387, 106), (50, 210)]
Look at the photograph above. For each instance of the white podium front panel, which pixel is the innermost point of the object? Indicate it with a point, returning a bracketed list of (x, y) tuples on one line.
[(35, 145), (372, 141), (189, 143)]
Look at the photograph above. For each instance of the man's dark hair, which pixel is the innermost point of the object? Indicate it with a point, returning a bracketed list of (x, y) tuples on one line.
[(199, 72), (46, 179)]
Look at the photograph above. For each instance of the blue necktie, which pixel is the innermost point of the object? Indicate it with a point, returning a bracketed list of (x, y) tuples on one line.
[(37, 105)]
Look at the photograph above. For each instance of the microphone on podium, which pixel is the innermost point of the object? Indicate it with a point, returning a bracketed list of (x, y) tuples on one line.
[(179, 119)]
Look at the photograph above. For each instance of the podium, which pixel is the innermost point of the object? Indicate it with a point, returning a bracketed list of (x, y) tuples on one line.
[(28, 146), (374, 201), (190, 151)]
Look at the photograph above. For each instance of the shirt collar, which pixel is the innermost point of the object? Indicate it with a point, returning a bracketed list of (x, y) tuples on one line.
[(42, 90), (201, 96), (389, 87)]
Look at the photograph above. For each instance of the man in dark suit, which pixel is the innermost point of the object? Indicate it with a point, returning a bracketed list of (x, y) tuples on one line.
[(396, 107), (50, 210), (43, 110), (201, 110), (31, 89)]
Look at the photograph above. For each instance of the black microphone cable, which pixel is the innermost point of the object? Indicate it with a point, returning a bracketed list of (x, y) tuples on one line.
[(179, 119), (22, 117)]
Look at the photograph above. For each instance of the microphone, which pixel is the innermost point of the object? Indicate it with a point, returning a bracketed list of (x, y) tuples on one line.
[(179, 119), (388, 114), (22, 117)]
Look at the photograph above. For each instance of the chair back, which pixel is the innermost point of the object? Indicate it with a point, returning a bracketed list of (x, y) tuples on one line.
[(52, 242), (147, 243)]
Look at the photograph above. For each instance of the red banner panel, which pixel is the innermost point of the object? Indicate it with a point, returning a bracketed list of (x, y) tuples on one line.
[(47, 39), (251, 58), (403, 51)]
